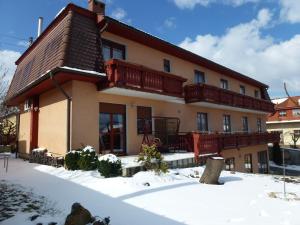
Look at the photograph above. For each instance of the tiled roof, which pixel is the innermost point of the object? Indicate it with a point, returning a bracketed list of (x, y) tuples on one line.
[(71, 40), (289, 103)]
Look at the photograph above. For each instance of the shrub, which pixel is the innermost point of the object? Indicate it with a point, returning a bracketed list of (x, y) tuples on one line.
[(88, 159), (71, 160), (152, 159), (109, 166)]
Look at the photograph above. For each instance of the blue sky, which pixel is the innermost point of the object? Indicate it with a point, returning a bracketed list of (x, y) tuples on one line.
[(260, 38)]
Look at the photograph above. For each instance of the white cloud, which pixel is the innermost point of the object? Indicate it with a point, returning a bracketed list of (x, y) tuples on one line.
[(190, 4), (244, 49), (119, 14), (170, 23), (290, 11), (7, 62)]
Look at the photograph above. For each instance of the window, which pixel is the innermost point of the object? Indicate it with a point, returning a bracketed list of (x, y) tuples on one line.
[(199, 77), (167, 66), (248, 163), (112, 50), (229, 164), (224, 84), (242, 90), (245, 123), (144, 119), (262, 162), (256, 94), (202, 122), (282, 113), (259, 128), (27, 105), (297, 132), (226, 123), (296, 112)]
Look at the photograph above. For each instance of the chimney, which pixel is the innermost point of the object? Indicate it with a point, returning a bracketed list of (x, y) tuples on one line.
[(97, 6), (40, 26)]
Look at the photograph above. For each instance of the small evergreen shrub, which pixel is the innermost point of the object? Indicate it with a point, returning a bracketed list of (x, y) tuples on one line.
[(109, 166), (88, 159), (71, 160), (152, 159)]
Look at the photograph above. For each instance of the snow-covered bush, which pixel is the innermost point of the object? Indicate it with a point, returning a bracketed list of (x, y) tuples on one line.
[(87, 159), (109, 166), (152, 159), (71, 160)]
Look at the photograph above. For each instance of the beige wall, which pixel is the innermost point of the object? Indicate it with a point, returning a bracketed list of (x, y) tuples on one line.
[(85, 121), (53, 120), (85, 115), (141, 54), (24, 133), (286, 129), (239, 156)]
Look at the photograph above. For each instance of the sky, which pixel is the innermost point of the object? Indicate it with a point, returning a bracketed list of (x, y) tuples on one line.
[(259, 38)]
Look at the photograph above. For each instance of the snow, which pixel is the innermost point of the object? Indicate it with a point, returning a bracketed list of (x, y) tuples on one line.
[(175, 198), (88, 148), (288, 167), (109, 157), (83, 71), (39, 150)]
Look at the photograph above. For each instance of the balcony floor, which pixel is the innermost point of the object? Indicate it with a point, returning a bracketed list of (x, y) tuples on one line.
[(142, 94), (225, 107)]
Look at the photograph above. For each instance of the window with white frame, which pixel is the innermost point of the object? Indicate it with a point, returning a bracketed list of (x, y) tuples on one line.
[(296, 112), (226, 123), (202, 122), (199, 77)]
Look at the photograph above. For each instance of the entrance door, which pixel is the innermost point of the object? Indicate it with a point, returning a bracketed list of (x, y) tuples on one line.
[(112, 132)]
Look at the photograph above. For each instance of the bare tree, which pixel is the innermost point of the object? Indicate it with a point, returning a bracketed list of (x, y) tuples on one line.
[(295, 137)]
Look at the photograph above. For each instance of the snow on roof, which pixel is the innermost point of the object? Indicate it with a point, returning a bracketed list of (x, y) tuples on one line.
[(278, 100), (83, 71)]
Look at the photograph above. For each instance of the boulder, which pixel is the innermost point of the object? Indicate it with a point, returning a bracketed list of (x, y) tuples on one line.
[(79, 216)]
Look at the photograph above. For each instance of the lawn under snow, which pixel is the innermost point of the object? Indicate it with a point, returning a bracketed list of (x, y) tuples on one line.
[(175, 198)]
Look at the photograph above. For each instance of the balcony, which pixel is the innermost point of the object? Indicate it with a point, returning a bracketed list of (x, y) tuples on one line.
[(126, 75), (215, 143), (211, 94)]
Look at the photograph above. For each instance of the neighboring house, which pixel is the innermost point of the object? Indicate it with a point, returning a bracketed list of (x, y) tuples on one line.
[(90, 79), (286, 119)]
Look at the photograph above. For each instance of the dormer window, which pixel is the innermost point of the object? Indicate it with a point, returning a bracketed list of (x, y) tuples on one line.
[(112, 50), (282, 113)]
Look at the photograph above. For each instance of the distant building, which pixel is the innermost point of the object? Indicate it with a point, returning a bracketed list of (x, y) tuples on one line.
[(286, 119)]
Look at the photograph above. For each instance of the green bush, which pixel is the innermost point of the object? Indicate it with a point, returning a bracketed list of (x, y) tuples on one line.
[(109, 166), (152, 159), (88, 159), (71, 160)]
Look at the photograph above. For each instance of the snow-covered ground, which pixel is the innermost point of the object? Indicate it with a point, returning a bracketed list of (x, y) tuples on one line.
[(176, 198)]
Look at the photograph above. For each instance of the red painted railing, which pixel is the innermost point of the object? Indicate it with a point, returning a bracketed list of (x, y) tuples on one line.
[(133, 76), (212, 94), (215, 143)]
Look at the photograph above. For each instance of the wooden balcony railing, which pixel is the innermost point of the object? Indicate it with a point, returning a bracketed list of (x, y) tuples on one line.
[(215, 143), (212, 94), (137, 77)]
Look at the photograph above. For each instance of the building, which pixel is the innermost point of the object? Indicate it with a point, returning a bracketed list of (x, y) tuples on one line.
[(286, 120), (90, 79)]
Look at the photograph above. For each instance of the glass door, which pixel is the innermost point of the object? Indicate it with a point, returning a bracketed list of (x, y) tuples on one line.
[(112, 133)]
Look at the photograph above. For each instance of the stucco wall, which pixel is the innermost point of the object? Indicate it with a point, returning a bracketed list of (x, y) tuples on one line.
[(286, 129), (239, 156), (141, 54), (24, 133), (53, 120)]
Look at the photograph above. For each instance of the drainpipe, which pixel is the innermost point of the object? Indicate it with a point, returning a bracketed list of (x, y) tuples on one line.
[(69, 99)]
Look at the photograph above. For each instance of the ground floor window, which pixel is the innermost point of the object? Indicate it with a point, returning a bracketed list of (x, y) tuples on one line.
[(262, 162), (229, 164), (248, 163)]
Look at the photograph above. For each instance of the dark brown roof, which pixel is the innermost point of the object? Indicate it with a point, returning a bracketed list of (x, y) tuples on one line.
[(71, 40)]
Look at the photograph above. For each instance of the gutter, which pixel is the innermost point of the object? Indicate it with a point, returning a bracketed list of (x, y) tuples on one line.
[(69, 100)]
